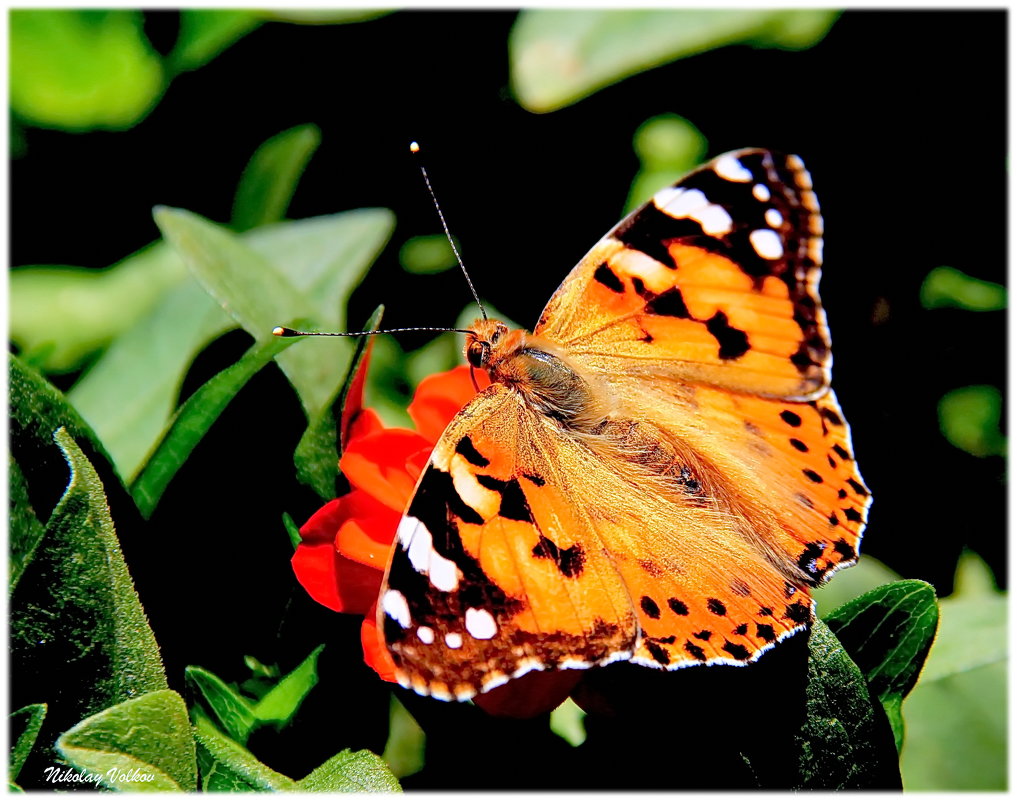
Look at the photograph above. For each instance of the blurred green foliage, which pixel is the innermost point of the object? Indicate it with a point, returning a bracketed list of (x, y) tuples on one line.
[(559, 56), (668, 146), (969, 418), (947, 287)]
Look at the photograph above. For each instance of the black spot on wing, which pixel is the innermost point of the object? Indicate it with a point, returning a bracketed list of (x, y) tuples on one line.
[(733, 342), (669, 303), (844, 549), (606, 276), (659, 654), (764, 631), (791, 418), (469, 452), (513, 500), (739, 652), (695, 651), (798, 612), (716, 606), (678, 607), (649, 606), (569, 561)]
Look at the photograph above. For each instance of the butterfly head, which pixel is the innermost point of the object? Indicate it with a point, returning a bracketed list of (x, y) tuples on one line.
[(489, 342)]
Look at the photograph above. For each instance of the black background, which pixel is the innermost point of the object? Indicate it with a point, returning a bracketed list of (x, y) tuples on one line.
[(899, 116)]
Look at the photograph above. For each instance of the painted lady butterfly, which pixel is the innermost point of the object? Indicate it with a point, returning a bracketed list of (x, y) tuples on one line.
[(658, 473)]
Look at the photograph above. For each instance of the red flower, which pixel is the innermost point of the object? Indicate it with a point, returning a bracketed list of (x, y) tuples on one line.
[(345, 545)]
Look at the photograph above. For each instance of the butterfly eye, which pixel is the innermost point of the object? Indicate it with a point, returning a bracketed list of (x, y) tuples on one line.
[(477, 353)]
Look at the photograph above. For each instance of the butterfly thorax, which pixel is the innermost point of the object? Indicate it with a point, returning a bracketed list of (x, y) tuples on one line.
[(537, 369)]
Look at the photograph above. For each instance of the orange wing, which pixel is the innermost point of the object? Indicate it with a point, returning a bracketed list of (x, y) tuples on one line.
[(701, 311), (526, 547), (713, 282)]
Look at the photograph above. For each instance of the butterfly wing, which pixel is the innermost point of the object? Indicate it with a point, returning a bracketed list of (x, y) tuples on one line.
[(714, 281), (526, 547), (701, 310)]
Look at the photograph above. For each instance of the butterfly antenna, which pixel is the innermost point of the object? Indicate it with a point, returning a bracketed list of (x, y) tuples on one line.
[(415, 149), (283, 331)]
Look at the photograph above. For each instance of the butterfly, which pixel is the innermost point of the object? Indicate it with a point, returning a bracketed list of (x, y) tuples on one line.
[(659, 473)]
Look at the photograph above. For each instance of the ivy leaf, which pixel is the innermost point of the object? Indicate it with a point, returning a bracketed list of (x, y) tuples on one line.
[(888, 632), (25, 723), (226, 766), (194, 419), (143, 744), (351, 772), (271, 176)]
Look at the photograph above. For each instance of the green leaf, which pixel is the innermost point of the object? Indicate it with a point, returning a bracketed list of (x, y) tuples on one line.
[(317, 454), (242, 281), (25, 723), (292, 530), (281, 703), (567, 722), (226, 766), (232, 711), (404, 750), (845, 742), (129, 394), (323, 16), (560, 56), (205, 33), (969, 418), (24, 529), (849, 583), (303, 274), (351, 772), (194, 419), (80, 70), (271, 176), (888, 632), (957, 732), (668, 146), (37, 409), (140, 745), (64, 314), (76, 606), (426, 255), (947, 287)]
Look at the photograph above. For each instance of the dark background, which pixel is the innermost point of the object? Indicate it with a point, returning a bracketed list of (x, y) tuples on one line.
[(899, 116)]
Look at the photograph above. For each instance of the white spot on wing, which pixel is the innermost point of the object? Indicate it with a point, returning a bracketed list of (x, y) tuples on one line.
[(480, 624), (443, 573), (773, 218), (407, 527), (693, 204), (766, 243), (425, 635), (761, 192), (730, 169), (395, 606), (454, 640)]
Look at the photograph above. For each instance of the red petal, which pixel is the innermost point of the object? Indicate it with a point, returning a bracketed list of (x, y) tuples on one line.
[(439, 397), (354, 401), (378, 464), (375, 653), (335, 581), (322, 526)]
